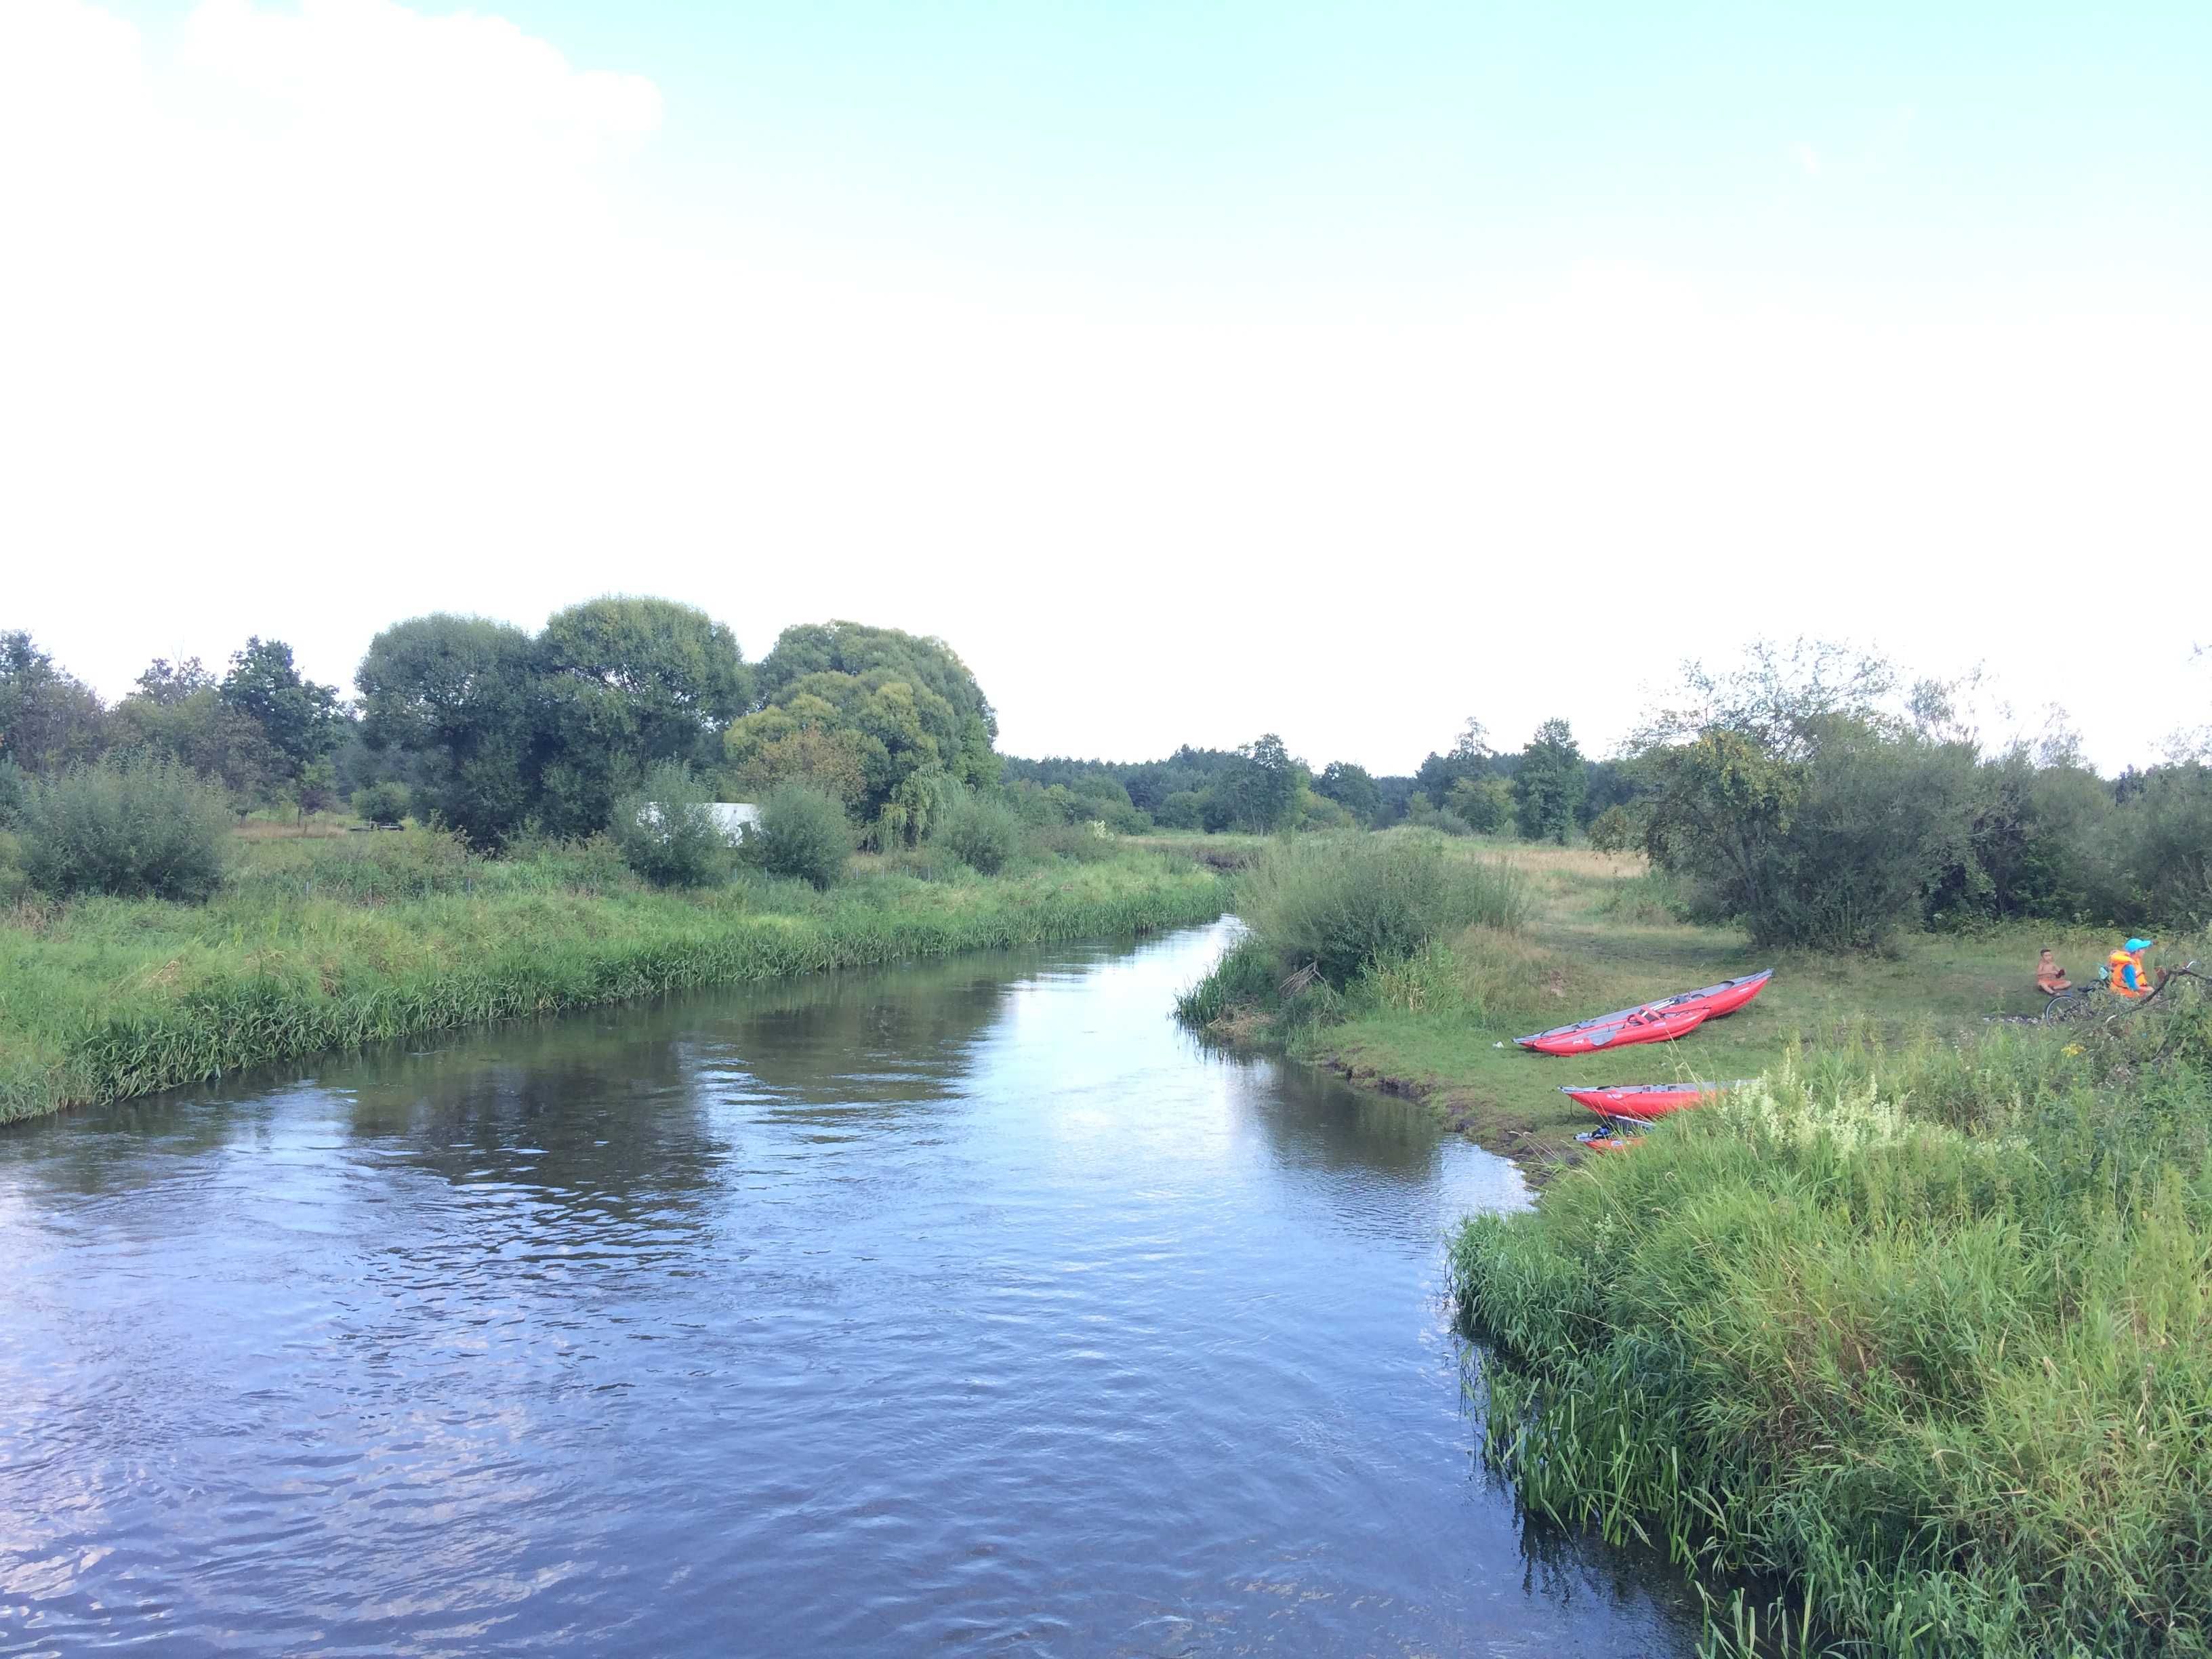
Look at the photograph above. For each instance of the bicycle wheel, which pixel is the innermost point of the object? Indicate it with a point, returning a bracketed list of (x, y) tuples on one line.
[(2068, 1006)]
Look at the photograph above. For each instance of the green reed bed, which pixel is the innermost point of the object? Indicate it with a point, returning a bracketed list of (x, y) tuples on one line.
[(318, 946), (1923, 1337)]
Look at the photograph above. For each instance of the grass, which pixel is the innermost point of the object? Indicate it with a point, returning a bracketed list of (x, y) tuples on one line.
[(321, 943), (1600, 935), (1922, 1336)]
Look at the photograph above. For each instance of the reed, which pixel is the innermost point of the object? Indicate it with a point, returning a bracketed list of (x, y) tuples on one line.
[(330, 946), (1922, 1336)]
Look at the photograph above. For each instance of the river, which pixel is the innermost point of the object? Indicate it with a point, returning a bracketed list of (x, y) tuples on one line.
[(970, 1307)]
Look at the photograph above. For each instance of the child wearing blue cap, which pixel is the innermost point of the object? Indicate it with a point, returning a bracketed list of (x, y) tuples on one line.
[(2127, 976)]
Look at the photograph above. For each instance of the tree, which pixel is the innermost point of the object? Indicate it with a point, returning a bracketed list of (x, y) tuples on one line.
[(48, 718), (177, 712), (623, 683), (299, 719), (1352, 787), (457, 695), (1470, 757), (1483, 804), (904, 709), (1261, 793), (1548, 787)]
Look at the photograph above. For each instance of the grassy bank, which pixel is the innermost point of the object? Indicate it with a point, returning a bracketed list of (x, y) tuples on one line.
[(320, 945), (1923, 1337), (1599, 935)]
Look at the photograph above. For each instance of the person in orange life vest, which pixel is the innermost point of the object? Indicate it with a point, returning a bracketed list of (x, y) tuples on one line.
[(2129, 978)]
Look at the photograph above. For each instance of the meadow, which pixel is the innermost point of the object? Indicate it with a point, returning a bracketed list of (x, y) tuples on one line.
[(1598, 933), (317, 943)]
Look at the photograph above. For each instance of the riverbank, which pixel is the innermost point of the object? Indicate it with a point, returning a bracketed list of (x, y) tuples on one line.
[(1924, 1339), (321, 945), (1601, 936)]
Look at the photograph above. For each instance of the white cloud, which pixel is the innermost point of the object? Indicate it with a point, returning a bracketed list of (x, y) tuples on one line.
[(338, 315)]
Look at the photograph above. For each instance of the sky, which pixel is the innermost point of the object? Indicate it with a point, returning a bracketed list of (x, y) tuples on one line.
[(1197, 370)]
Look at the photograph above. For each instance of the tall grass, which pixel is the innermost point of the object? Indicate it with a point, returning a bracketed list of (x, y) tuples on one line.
[(1363, 919), (322, 946), (1344, 904), (1926, 1336)]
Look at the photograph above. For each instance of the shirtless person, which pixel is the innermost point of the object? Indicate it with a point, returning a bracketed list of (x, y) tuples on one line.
[(2050, 978)]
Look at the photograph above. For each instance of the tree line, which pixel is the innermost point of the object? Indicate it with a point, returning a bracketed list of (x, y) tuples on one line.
[(1813, 796)]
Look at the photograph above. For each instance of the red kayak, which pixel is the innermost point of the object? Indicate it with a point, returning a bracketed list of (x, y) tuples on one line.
[(1713, 1002), (1657, 1023), (1645, 1101)]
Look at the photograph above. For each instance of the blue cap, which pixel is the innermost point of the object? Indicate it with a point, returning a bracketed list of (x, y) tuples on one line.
[(2140, 943)]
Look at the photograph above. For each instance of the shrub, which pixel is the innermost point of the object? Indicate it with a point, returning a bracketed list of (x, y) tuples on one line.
[(136, 828), (667, 832), (802, 833), (14, 788), (983, 834), (1613, 831), (1345, 903), (381, 803)]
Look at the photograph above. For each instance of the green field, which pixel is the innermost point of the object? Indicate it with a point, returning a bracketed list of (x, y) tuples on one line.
[(332, 943), (1602, 939)]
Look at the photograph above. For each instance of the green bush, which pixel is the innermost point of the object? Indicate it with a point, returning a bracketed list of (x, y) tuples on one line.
[(381, 803), (14, 788), (133, 827), (1343, 903), (981, 833), (802, 833), (667, 831)]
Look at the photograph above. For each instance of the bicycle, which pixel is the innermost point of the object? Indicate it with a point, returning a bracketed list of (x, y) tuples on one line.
[(2100, 1003)]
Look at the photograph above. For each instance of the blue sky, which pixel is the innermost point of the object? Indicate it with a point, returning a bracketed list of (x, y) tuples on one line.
[(1481, 298)]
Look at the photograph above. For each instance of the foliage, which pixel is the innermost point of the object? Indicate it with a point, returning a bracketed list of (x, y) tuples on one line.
[(1343, 903), (1948, 1385), (1184, 809), (1261, 794), (1471, 757), (1836, 851), (812, 752), (667, 831), (624, 683), (381, 803), (1548, 786), (177, 711), (983, 833), (802, 834), (1484, 805), (299, 720), (1352, 787), (458, 693), (2168, 846), (13, 788), (906, 710), (48, 718), (130, 827), (1615, 831)]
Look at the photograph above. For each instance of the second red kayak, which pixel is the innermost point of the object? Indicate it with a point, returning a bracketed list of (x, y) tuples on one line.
[(1614, 1029), (1645, 1101)]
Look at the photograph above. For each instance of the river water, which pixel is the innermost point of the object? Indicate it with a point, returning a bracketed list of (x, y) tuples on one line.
[(971, 1307)]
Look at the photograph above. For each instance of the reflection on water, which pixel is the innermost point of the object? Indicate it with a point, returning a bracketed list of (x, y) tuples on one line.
[(965, 1307)]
